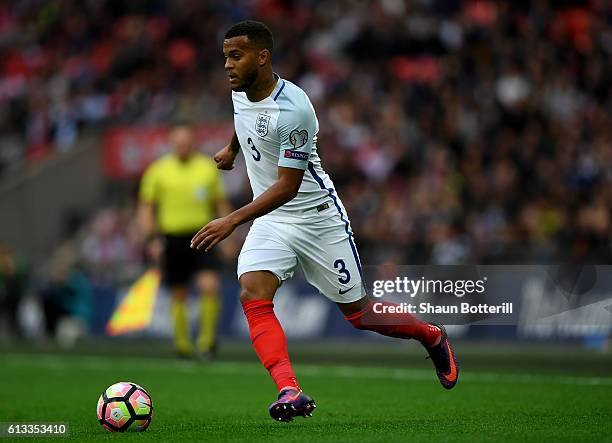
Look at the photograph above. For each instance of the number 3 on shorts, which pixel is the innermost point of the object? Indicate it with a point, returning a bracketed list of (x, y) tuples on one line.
[(341, 267)]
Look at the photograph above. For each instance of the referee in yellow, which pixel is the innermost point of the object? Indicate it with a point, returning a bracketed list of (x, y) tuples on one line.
[(179, 193)]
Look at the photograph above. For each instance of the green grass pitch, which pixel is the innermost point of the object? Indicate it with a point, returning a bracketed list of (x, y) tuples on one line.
[(378, 393)]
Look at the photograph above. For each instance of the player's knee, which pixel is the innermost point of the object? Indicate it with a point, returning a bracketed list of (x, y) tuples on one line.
[(257, 286), (249, 293), (355, 312)]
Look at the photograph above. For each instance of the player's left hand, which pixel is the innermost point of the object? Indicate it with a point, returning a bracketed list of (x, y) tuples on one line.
[(211, 234)]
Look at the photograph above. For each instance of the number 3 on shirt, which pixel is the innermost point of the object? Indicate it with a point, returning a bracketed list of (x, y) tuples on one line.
[(256, 154)]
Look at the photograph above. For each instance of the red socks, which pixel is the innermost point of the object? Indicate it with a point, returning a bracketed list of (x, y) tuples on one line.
[(269, 341), (270, 344), (394, 325)]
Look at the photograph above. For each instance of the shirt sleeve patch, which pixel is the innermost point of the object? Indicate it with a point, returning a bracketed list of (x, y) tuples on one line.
[(296, 154), (298, 138)]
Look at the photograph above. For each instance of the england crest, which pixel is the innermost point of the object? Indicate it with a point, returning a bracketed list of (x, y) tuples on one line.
[(261, 124)]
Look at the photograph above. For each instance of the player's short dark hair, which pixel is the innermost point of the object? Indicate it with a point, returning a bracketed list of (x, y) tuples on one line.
[(256, 32)]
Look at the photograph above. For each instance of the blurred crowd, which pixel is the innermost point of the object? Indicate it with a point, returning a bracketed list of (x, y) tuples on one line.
[(455, 131)]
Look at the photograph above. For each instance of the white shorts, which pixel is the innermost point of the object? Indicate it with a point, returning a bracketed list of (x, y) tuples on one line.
[(322, 246)]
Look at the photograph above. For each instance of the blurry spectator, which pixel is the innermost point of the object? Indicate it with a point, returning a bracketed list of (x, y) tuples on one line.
[(110, 247), (13, 286), (67, 298)]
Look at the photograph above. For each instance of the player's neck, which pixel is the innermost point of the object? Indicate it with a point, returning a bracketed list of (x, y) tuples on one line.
[(262, 88)]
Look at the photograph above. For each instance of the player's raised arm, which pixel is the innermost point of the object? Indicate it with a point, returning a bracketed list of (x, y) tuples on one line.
[(281, 192)]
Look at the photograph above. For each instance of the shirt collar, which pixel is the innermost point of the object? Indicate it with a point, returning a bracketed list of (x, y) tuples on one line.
[(279, 85)]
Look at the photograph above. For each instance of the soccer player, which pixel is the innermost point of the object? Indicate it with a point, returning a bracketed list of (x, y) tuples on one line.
[(299, 219), (179, 193)]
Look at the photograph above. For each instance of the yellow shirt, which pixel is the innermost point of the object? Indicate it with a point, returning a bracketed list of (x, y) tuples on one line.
[(184, 193)]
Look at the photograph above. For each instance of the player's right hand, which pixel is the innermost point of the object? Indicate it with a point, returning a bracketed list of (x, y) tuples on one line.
[(225, 158)]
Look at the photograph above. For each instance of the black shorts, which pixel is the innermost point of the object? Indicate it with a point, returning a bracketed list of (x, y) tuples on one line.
[(181, 263)]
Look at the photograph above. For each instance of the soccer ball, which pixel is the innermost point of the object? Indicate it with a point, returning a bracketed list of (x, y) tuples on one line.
[(124, 406)]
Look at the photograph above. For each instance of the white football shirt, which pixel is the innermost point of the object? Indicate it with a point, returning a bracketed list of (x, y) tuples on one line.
[(281, 130)]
